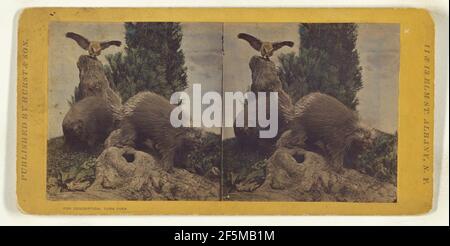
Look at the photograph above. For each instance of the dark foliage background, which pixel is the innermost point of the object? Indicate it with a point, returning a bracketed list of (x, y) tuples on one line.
[(380, 161), (328, 62), (153, 60)]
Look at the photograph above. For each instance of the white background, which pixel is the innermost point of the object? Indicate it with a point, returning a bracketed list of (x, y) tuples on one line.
[(9, 214)]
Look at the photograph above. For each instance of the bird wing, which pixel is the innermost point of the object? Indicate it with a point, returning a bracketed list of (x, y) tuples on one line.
[(278, 45), (82, 41), (105, 45), (254, 42)]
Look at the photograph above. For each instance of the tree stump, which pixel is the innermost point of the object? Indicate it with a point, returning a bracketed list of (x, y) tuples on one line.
[(93, 81), (90, 119), (265, 79)]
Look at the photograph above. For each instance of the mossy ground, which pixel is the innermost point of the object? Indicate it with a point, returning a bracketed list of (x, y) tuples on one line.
[(65, 165), (380, 161), (240, 163)]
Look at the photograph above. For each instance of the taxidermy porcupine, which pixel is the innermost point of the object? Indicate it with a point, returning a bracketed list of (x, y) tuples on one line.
[(322, 119), (145, 122), (88, 122)]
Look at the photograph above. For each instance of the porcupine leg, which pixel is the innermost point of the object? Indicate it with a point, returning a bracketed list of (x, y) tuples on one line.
[(336, 160), (91, 135), (292, 138), (128, 135), (284, 139), (167, 161), (339, 163)]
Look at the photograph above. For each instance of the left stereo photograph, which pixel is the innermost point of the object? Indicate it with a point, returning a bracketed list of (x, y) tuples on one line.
[(110, 134)]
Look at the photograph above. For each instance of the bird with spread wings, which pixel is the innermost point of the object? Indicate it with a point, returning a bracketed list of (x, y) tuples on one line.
[(266, 48), (93, 47)]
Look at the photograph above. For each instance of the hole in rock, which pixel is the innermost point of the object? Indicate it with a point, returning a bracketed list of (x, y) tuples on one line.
[(300, 158), (129, 157)]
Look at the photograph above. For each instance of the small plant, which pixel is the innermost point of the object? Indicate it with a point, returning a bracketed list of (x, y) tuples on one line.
[(206, 154), (380, 161), (75, 97)]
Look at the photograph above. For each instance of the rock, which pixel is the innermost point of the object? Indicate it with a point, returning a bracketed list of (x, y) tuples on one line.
[(264, 75), (128, 174), (93, 81), (123, 169), (299, 175), (265, 79)]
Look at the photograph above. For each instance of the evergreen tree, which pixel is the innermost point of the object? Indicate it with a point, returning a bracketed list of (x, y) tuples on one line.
[(308, 72), (328, 62), (153, 60)]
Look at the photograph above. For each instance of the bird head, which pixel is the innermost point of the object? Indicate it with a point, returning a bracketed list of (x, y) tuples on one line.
[(266, 49), (95, 49)]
